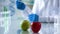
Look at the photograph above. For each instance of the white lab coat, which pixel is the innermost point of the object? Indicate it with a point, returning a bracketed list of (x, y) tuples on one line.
[(46, 9)]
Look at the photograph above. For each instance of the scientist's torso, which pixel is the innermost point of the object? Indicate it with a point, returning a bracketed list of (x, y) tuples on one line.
[(46, 6)]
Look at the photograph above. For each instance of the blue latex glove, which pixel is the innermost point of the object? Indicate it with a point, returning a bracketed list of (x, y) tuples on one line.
[(20, 5), (33, 18)]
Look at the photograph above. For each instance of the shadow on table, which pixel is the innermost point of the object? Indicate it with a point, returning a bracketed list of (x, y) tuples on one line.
[(35, 33), (24, 32)]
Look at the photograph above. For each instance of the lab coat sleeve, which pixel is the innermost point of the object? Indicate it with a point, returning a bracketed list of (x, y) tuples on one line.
[(35, 7), (38, 4)]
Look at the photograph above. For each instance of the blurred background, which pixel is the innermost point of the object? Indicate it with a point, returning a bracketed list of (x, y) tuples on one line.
[(11, 18)]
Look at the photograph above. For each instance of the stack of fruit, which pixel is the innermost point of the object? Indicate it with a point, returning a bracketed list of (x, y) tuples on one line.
[(35, 25)]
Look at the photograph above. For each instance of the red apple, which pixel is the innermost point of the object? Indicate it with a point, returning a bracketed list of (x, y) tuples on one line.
[(36, 26)]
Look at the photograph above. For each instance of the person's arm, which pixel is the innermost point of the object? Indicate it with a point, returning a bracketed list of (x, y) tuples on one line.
[(38, 5), (35, 7)]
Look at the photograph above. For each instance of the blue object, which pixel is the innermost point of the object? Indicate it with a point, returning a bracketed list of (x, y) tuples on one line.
[(12, 9), (18, 31), (33, 18), (20, 5), (19, 0)]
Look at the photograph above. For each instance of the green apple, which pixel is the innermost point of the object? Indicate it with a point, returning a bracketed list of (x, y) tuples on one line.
[(25, 25)]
